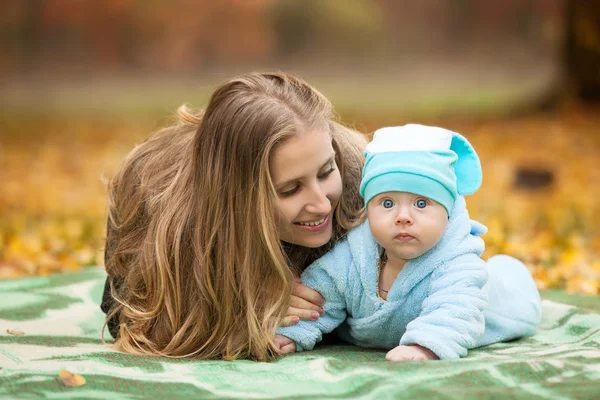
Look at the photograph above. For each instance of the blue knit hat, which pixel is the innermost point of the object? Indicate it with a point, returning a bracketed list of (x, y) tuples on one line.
[(424, 160)]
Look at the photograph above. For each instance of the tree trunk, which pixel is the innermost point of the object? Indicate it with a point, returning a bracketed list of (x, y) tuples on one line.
[(583, 48)]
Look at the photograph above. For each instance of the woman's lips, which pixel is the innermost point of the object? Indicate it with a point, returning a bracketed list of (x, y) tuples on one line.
[(404, 237), (314, 228)]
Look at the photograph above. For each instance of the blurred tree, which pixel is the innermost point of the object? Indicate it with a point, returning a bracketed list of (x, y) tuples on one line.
[(188, 34), (63, 36), (295, 23), (583, 48), (327, 28), (20, 35), (181, 36)]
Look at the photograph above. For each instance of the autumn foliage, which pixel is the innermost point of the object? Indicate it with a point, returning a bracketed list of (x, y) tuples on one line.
[(53, 202)]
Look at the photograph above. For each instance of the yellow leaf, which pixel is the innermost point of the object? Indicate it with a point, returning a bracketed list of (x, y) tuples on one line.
[(71, 380), (570, 257), (581, 286), (9, 271)]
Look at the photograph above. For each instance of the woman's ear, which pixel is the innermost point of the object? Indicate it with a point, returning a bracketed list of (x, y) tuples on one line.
[(468, 167)]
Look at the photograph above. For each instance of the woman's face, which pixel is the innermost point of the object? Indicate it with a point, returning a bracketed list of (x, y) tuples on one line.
[(308, 185)]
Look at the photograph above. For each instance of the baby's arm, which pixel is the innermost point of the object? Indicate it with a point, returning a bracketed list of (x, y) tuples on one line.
[(452, 316), (306, 334)]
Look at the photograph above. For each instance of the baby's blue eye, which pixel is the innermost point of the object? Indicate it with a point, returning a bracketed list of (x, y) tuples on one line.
[(387, 204), (421, 203)]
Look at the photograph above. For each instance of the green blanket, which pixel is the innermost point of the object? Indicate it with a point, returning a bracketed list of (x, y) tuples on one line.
[(61, 319)]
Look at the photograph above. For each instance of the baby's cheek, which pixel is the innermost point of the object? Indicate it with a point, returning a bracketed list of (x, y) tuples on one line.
[(438, 228), (432, 238), (379, 228)]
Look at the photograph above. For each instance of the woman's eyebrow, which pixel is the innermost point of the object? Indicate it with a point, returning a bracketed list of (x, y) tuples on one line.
[(288, 181)]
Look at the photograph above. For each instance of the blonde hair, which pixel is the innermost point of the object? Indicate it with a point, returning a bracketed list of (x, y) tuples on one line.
[(192, 232)]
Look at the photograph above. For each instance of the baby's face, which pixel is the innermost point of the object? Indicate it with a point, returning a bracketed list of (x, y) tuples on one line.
[(406, 225)]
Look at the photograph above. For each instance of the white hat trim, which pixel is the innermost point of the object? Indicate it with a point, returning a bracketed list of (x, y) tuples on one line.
[(411, 137)]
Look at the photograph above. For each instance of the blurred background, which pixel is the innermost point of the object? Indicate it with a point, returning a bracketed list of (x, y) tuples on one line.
[(82, 82)]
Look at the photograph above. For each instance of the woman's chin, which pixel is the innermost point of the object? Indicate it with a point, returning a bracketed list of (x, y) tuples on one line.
[(313, 240), (315, 245)]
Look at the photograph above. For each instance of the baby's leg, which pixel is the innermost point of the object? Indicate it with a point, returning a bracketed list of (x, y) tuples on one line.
[(514, 305)]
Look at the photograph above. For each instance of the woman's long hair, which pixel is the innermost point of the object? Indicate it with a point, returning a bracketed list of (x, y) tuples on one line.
[(192, 227)]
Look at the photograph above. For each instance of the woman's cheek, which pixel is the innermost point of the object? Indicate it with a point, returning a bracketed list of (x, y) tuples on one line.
[(337, 187), (295, 206)]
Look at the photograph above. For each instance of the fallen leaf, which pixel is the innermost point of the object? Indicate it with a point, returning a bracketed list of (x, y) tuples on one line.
[(15, 332), (70, 379)]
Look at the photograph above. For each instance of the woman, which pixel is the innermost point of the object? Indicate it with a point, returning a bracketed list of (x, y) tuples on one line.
[(211, 219)]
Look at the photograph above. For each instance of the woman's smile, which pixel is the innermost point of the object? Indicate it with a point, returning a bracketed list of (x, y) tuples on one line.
[(314, 226)]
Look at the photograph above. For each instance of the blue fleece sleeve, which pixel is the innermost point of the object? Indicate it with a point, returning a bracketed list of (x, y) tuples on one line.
[(319, 276), (452, 317)]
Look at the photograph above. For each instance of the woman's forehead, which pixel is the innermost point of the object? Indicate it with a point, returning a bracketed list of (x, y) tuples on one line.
[(301, 155)]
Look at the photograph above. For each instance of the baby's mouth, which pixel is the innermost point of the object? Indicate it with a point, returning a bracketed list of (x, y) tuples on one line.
[(404, 237)]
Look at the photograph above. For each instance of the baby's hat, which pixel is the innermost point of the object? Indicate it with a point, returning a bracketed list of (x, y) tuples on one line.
[(424, 160)]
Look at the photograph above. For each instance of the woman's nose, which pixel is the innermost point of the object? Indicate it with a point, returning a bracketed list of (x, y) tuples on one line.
[(318, 203)]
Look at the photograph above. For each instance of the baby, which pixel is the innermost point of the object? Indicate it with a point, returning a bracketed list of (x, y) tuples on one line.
[(410, 279)]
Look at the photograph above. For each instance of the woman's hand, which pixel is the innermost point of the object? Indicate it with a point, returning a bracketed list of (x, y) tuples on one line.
[(305, 304)]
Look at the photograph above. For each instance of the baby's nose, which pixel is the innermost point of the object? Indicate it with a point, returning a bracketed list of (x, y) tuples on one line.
[(404, 216)]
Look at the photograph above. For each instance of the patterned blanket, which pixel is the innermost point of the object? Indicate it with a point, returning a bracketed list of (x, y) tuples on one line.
[(60, 320)]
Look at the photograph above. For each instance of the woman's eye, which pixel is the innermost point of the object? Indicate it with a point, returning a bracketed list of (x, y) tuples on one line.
[(421, 203), (326, 174), (387, 204), (290, 192)]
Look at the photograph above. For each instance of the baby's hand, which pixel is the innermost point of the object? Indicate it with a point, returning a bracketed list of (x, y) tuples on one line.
[(414, 352), (285, 345)]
